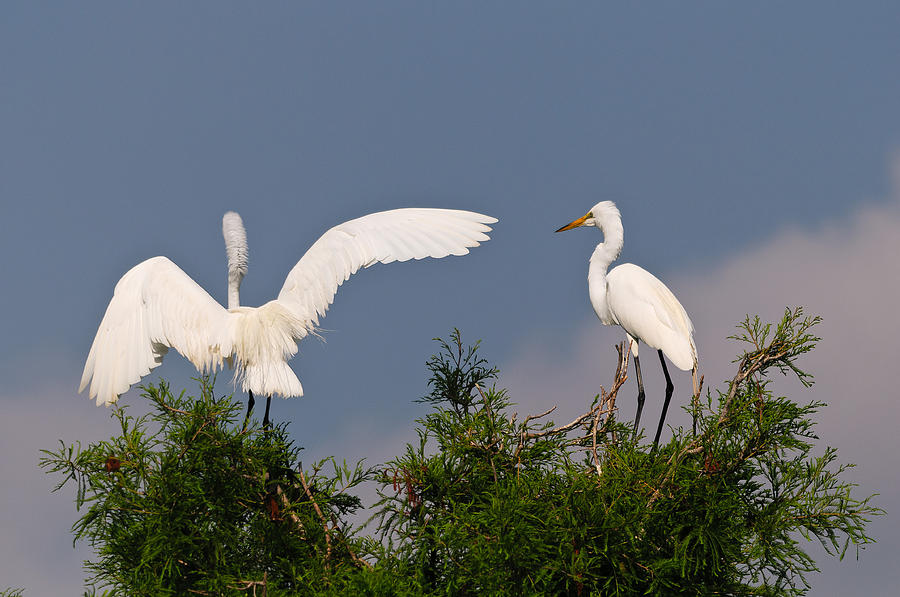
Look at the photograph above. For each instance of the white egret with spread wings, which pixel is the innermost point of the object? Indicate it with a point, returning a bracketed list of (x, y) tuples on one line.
[(156, 306)]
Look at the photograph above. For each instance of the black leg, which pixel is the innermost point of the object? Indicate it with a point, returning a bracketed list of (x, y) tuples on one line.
[(266, 422), (250, 403), (669, 389), (695, 401), (640, 400)]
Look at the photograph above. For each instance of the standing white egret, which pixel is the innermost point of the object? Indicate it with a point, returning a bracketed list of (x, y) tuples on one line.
[(156, 306), (634, 299), (238, 256)]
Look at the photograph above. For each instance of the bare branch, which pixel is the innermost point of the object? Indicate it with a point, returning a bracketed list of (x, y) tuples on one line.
[(318, 511)]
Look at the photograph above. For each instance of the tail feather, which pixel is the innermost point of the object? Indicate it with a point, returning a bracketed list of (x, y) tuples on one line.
[(265, 338), (271, 379)]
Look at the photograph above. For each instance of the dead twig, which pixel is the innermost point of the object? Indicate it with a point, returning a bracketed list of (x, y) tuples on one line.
[(251, 584), (540, 416), (285, 506), (324, 520), (594, 445), (695, 399), (562, 428), (319, 512)]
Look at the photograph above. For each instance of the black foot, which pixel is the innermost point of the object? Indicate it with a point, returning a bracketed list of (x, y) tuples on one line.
[(250, 403), (266, 422)]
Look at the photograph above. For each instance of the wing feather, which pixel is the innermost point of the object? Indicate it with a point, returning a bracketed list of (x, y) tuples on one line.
[(155, 306), (648, 311), (383, 237)]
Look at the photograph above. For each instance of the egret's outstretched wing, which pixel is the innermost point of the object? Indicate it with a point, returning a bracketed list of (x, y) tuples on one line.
[(383, 237), (155, 306)]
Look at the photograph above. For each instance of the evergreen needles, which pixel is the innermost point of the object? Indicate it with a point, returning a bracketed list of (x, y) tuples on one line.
[(183, 501)]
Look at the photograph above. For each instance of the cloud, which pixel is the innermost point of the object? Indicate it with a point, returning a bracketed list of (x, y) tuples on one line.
[(848, 272), (36, 551)]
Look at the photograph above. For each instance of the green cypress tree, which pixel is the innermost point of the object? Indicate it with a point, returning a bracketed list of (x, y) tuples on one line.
[(186, 500), (501, 506)]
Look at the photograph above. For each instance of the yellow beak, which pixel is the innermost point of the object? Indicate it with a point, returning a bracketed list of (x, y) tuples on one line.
[(576, 223)]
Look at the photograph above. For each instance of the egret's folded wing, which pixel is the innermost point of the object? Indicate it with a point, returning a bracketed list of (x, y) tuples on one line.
[(647, 309), (383, 237), (155, 306)]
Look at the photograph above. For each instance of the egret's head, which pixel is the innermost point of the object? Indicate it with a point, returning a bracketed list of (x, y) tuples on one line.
[(600, 213), (235, 244)]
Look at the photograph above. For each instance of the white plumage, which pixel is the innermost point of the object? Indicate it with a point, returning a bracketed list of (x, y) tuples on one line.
[(156, 306), (648, 311), (238, 254), (634, 299)]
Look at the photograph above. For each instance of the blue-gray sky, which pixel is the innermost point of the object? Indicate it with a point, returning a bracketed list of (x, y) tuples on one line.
[(750, 149)]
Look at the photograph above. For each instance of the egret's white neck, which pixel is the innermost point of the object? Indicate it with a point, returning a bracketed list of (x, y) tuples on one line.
[(605, 253), (234, 289), (236, 249), (609, 250)]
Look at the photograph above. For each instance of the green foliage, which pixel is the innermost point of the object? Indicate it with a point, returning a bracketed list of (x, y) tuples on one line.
[(186, 501), (581, 509)]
